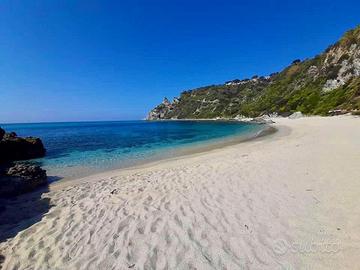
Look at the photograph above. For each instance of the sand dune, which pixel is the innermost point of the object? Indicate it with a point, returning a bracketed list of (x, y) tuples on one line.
[(287, 201)]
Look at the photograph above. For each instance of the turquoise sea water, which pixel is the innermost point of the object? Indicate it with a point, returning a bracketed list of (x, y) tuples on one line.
[(82, 148)]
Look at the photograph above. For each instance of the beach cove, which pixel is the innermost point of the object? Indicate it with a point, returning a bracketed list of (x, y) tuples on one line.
[(78, 149), (284, 201)]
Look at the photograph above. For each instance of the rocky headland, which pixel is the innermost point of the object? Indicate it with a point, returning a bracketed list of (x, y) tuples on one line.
[(327, 84)]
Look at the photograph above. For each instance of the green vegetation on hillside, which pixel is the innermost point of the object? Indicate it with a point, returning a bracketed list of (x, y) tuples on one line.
[(326, 82)]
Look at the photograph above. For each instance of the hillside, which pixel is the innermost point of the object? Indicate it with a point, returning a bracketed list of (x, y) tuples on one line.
[(329, 81)]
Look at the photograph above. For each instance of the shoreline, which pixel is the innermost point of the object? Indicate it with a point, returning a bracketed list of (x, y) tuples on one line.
[(181, 151), (180, 154), (246, 206)]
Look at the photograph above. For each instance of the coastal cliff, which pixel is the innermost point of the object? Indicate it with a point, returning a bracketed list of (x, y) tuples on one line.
[(325, 84)]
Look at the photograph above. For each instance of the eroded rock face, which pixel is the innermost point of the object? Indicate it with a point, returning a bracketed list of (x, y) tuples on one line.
[(161, 110), (344, 63), (21, 178), (13, 148)]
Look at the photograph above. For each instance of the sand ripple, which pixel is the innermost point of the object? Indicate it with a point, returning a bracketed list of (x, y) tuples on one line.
[(229, 209)]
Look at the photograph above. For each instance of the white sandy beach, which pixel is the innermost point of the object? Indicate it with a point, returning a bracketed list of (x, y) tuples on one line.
[(290, 200)]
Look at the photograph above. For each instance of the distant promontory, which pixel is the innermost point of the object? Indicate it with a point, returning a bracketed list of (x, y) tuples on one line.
[(326, 84)]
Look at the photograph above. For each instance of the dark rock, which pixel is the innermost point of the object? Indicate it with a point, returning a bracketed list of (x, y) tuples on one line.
[(21, 178), (10, 135), (27, 171), (337, 112), (285, 114), (2, 133), (17, 148)]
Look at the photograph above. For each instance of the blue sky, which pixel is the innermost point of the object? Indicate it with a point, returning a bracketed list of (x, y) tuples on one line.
[(114, 60)]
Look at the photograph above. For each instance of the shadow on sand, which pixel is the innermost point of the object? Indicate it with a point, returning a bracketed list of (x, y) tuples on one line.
[(21, 212)]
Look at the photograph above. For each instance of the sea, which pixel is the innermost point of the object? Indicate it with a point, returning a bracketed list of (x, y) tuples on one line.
[(79, 149)]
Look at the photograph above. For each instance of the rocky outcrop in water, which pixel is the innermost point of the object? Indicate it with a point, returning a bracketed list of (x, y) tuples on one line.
[(19, 178), (13, 147)]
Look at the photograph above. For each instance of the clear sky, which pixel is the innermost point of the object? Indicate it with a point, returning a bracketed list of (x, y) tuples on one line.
[(114, 60)]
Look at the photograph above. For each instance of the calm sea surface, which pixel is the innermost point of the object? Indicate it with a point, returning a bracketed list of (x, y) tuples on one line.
[(82, 148)]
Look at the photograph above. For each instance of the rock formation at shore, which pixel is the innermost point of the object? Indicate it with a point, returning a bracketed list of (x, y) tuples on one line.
[(13, 147), (328, 82), (162, 110), (18, 178), (21, 178)]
